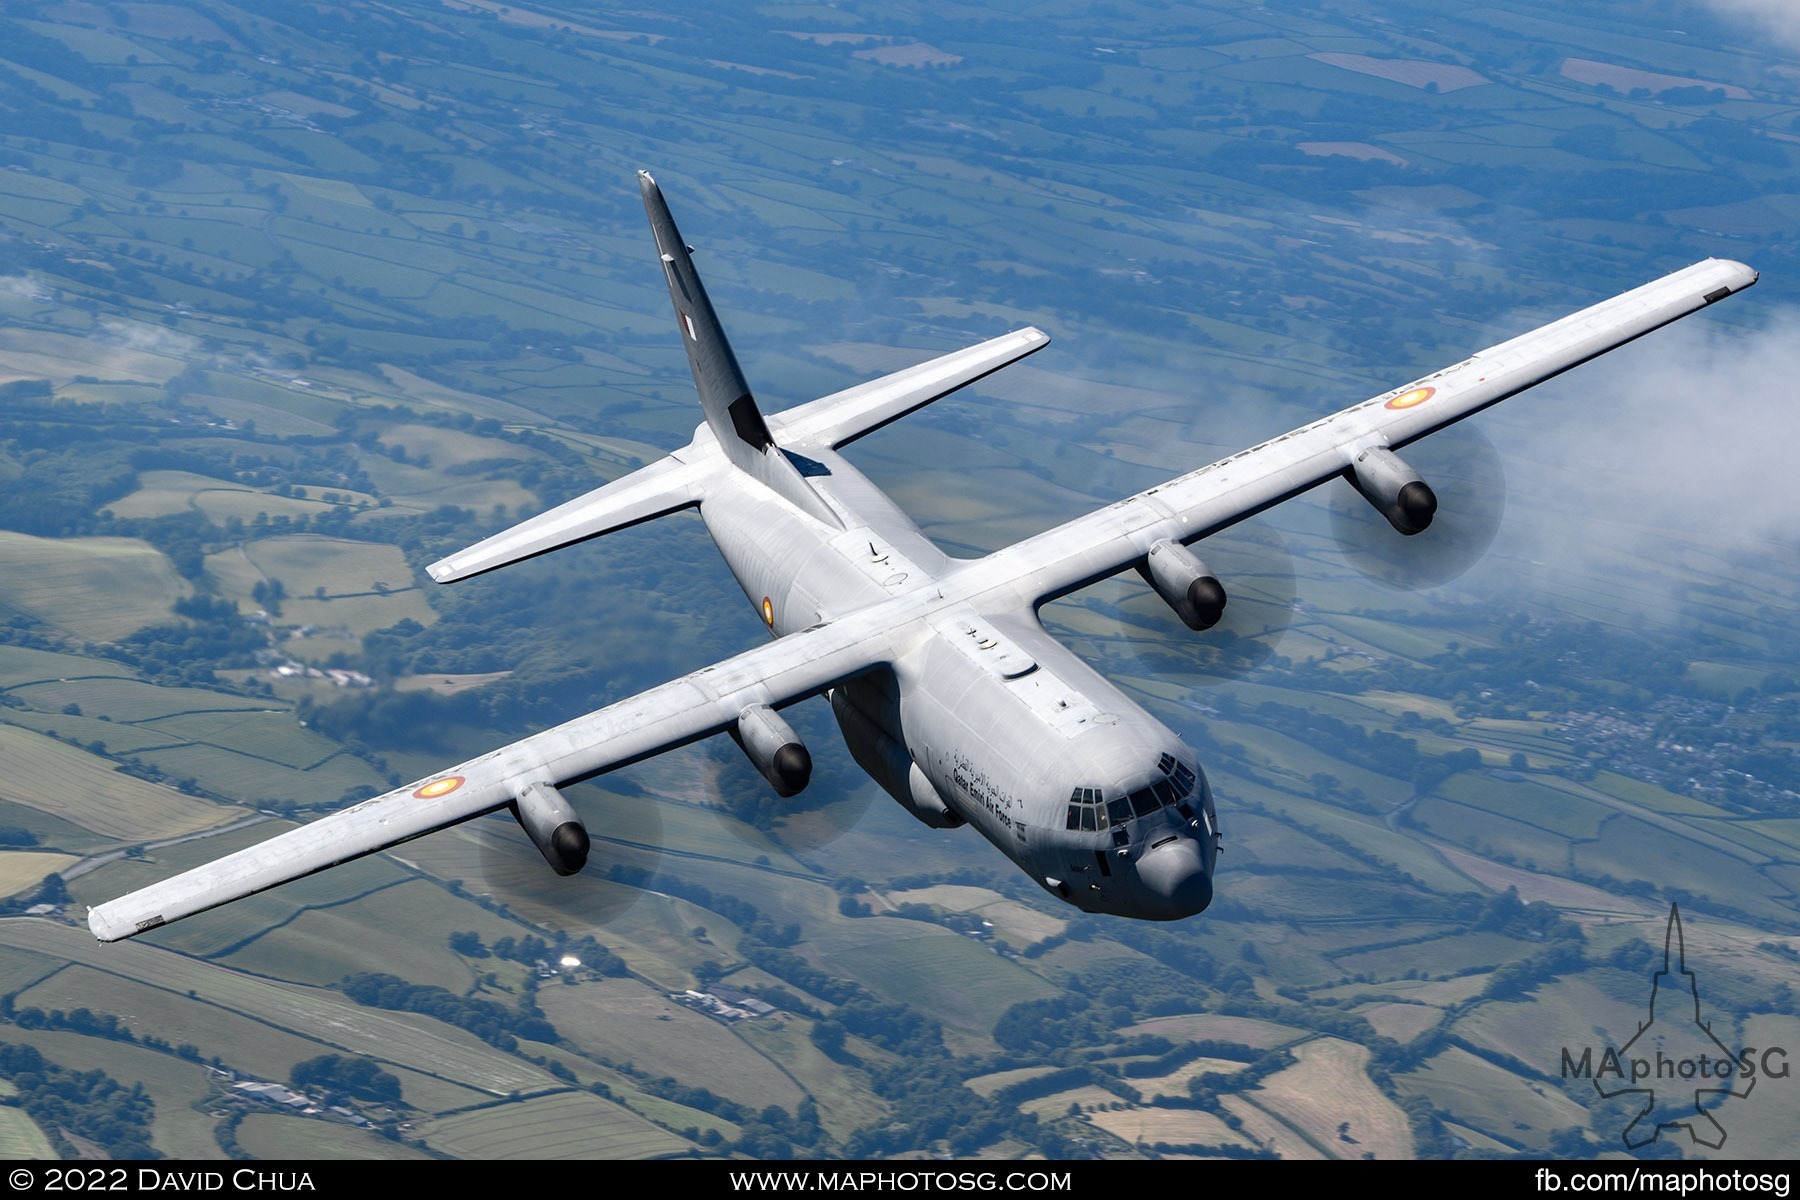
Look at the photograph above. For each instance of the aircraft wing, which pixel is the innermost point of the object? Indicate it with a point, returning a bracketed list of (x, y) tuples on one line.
[(682, 711), (1103, 543), (842, 417), (649, 492)]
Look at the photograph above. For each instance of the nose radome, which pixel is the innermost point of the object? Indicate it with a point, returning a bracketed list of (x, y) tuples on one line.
[(1174, 881)]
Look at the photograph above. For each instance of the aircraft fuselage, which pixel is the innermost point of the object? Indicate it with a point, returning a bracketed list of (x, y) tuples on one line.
[(983, 717), (947, 688)]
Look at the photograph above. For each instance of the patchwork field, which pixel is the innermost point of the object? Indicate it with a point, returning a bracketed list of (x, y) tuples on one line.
[(568, 1125), (622, 1021), (75, 786), (294, 1139), (310, 303), (96, 589)]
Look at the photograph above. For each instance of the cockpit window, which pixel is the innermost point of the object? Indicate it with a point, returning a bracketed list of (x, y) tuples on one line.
[(1089, 811)]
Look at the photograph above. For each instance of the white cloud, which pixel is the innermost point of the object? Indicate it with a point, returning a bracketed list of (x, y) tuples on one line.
[(1782, 17), (149, 338), (1669, 461)]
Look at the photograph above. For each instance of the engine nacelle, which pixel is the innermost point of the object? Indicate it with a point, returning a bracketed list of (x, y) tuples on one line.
[(1185, 584), (888, 764), (771, 744), (552, 826), (1394, 488)]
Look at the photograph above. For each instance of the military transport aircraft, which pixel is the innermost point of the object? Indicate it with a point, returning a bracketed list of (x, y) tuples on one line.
[(948, 690)]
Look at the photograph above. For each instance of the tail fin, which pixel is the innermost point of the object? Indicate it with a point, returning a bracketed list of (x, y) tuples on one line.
[(731, 410)]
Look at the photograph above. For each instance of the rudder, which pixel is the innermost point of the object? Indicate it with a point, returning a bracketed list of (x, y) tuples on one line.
[(731, 410)]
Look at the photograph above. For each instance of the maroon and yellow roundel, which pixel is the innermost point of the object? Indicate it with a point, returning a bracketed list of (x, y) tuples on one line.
[(768, 612), (439, 787), (1418, 395)]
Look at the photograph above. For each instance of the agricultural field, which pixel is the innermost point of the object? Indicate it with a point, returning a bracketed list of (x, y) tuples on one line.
[(23, 870), (1515, 1111), (168, 493), (963, 982), (185, 1125), (74, 786), (295, 1139), (21, 1138), (562, 1126), (622, 1021), (95, 589), (292, 305), (1327, 1097), (1148, 1126)]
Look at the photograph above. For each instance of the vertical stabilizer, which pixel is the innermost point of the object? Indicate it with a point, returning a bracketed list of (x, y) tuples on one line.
[(731, 410)]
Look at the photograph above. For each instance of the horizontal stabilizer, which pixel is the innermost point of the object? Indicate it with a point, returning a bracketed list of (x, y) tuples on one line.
[(842, 417), (663, 487)]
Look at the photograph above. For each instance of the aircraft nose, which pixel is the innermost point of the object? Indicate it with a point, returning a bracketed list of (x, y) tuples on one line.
[(1174, 881)]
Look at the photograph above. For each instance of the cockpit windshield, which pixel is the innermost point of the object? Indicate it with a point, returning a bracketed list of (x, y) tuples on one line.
[(1090, 812)]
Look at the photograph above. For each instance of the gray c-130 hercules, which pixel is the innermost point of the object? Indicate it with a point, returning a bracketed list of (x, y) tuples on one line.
[(948, 690)]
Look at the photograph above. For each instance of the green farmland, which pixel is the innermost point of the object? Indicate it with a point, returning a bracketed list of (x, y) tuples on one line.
[(294, 302)]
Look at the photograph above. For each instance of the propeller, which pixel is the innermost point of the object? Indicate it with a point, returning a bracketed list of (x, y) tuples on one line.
[(628, 821), (1254, 567), (1257, 568), (1464, 469), (625, 826), (804, 830)]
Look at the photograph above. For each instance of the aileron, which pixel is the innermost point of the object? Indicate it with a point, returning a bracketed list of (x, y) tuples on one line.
[(1214, 497), (675, 714)]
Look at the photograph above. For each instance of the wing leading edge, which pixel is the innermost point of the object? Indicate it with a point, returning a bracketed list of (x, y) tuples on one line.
[(1103, 543), (1051, 564), (684, 710)]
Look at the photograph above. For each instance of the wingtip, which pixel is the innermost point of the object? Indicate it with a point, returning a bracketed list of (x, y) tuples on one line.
[(1746, 275), (103, 929)]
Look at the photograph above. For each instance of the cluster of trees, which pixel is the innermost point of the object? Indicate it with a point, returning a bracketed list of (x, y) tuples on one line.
[(92, 1024), (1093, 1006), (1377, 750), (89, 1104), (351, 1075), (532, 949), (496, 1024), (189, 653)]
